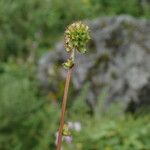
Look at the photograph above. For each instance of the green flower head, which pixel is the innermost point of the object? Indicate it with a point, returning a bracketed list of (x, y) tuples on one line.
[(76, 37)]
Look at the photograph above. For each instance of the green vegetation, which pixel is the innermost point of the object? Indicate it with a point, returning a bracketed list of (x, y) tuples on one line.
[(114, 134), (108, 130), (28, 118), (35, 24), (29, 121)]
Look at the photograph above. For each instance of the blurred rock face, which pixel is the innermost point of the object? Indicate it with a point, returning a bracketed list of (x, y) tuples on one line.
[(118, 59)]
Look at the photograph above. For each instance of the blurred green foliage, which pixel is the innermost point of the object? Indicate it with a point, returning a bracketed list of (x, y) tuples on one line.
[(126, 133), (29, 120), (107, 129), (113, 7), (26, 25)]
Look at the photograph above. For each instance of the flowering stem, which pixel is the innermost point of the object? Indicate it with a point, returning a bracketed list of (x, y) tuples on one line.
[(76, 37), (63, 109)]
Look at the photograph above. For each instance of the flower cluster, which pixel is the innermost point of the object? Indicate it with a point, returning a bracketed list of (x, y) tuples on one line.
[(76, 37), (70, 126)]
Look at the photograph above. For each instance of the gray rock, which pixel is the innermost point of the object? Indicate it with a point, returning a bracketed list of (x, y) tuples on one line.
[(118, 59)]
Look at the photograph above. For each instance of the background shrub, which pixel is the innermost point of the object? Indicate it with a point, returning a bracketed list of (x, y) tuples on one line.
[(31, 25), (28, 121)]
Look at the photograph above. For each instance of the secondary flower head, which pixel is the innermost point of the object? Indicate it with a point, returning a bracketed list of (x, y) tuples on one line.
[(76, 37)]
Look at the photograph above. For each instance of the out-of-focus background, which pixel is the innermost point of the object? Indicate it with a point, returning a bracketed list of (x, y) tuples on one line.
[(109, 96)]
